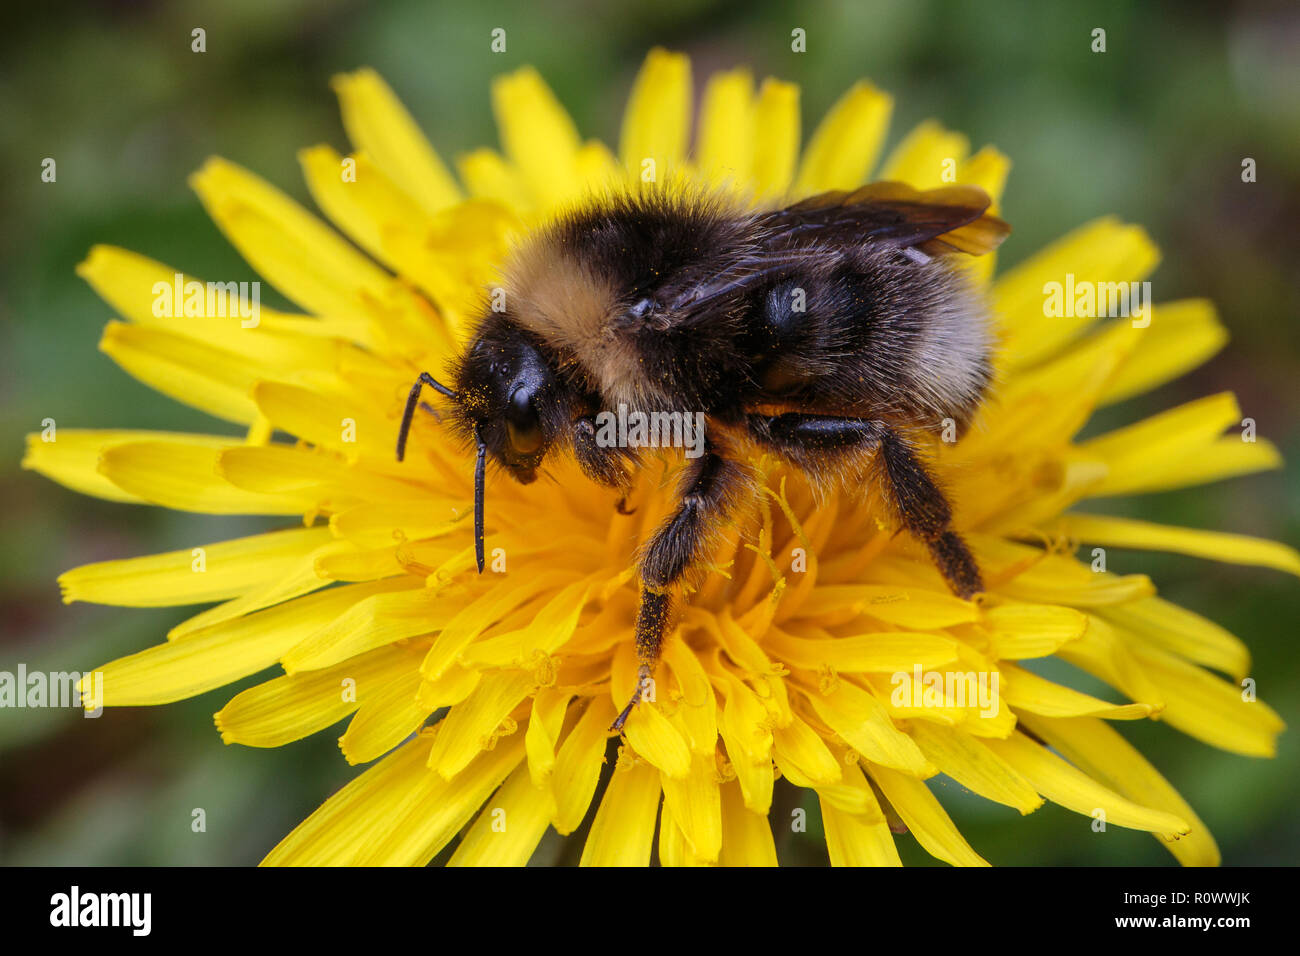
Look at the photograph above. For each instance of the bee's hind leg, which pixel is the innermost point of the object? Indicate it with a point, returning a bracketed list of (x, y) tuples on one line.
[(927, 514), (822, 444), (709, 491)]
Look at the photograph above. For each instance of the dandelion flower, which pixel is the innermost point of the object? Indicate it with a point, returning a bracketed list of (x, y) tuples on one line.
[(482, 703)]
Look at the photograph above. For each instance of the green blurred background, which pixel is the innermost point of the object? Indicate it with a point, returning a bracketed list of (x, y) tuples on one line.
[(1153, 130)]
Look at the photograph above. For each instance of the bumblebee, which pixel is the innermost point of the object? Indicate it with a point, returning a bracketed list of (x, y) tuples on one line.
[(831, 333)]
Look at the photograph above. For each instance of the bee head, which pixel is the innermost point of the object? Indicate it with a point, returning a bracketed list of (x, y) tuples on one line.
[(506, 397), (505, 401)]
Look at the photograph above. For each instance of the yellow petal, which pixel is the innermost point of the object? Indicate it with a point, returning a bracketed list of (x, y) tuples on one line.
[(696, 806), (453, 687), (657, 121), (925, 818), (864, 724), (746, 835), (487, 175), (907, 699), (776, 138), (295, 251), (1055, 579), (622, 834), (929, 156), (578, 763), (696, 712), (674, 850), (364, 204), (725, 148), (746, 730), (301, 577), (1182, 335), (452, 256), (378, 124), (910, 607), (1018, 631), (1165, 438), (1070, 787), (550, 706), (883, 652), (974, 766), (598, 169), (386, 717), (1103, 654), (196, 374), (435, 810), (857, 841), (323, 419), (283, 469), (803, 756), (227, 652), (292, 707), (1103, 754), (1227, 457), (377, 524), (482, 613), (1210, 709), (847, 141), (988, 170), (227, 569), (369, 623), (537, 133), (552, 626), (853, 794), (181, 472), (72, 457), (1186, 634), (508, 829), (1027, 692), (1103, 251), (652, 735), (1148, 536), (473, 725), (133, 284), (336, 833)]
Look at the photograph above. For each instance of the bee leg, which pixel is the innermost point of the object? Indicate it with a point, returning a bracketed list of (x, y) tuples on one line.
[(708, 492), (651, 623), (602, 465), (927, 514), (826, 444)]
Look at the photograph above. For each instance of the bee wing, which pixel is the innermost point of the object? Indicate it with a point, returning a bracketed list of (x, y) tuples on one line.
[(938, 221)]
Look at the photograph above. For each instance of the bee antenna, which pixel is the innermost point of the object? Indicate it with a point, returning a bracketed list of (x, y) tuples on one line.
[(411, 400), (480, 466)]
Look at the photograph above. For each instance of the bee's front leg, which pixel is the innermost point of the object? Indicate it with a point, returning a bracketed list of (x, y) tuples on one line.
[(607, 466), (710, 489)]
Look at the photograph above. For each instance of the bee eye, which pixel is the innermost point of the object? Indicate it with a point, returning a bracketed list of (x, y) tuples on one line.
[(522, 426), (525, 441)]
